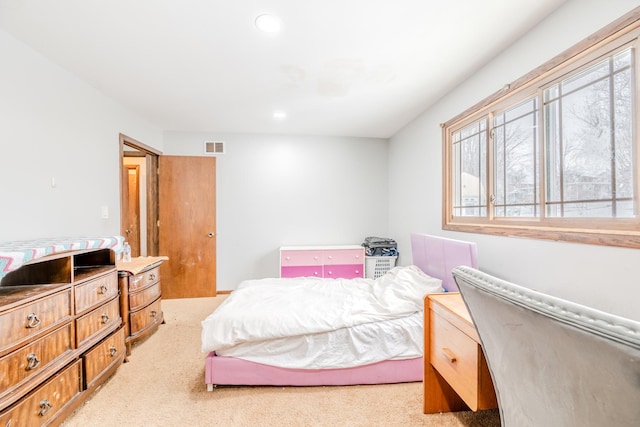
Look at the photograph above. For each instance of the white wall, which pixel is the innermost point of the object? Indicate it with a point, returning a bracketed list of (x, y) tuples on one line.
[(602, 277), (289, 190), (274, 190), (54, 126)]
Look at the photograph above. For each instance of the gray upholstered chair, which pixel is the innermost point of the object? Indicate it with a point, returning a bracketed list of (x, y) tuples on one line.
[(554, 362)]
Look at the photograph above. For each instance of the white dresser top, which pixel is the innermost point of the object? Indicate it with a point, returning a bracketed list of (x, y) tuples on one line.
[(320, 248)]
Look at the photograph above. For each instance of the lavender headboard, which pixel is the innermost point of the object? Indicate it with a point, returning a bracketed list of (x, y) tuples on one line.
[(437, 256)]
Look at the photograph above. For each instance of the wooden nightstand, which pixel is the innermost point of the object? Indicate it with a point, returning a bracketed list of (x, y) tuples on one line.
[(456, 375)]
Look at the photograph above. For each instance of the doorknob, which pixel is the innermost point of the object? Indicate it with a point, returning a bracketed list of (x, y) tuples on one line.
[(211, 234)]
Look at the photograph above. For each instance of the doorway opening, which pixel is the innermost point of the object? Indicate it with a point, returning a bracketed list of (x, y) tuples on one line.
[(139, 196)]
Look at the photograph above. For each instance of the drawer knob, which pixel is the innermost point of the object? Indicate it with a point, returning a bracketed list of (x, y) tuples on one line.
[(154, 313), (105, 317), (32, 320), (450, 355), (113, 351), (103, 289), (32, 361), (330, 273), (152, 276), (45, 406)]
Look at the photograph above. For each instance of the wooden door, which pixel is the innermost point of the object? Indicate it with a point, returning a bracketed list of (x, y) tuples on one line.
[(132, 212), (187, 212)]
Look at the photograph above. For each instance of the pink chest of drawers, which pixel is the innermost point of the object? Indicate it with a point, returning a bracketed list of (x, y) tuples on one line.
[(345, 262)]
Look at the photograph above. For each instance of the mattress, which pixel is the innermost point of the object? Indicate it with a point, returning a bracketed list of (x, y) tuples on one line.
[(314, 323)]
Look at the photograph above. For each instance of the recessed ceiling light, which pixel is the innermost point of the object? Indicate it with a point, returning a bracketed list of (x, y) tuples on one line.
[(279, 115), (268, 23)]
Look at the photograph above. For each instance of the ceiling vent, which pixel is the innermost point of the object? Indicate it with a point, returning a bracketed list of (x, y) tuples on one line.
[(213, 147)]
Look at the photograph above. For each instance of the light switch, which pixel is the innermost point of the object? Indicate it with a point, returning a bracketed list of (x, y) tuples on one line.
[(105, 212)]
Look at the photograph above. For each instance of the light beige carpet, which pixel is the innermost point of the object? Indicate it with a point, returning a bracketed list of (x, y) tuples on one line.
[(163, 385)]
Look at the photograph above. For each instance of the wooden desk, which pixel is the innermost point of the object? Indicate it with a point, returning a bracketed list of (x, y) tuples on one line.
[(456, 375)]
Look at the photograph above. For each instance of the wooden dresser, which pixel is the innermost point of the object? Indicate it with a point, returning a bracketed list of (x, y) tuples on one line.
[(140, 297), (61, 335), (322, 261), (456, 375)]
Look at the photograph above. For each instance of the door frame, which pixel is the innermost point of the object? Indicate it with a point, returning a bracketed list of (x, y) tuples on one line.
[(133, 191), (151, 155)]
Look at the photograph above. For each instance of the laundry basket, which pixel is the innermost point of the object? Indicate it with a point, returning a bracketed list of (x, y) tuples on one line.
[(376, 266)]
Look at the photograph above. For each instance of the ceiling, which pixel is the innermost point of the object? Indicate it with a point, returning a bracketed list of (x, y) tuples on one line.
[(362, 68)]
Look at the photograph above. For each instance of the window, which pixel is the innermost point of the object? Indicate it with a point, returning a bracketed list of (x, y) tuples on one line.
[(555, 155), (515, 148), (469, 147), (588, 141)]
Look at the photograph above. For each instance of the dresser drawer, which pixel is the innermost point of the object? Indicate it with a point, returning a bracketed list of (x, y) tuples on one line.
[(301, 258), (343, 256), (34, 359), (456, 356), (301, 271), (101, 357), (345, 261), (142, 280), (42, 405), (19, 325), (145, 318), (98, 322), (96, 291), (343, 271), (140, 299)]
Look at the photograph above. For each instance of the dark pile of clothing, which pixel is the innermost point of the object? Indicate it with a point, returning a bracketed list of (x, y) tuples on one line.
[(380, 246)]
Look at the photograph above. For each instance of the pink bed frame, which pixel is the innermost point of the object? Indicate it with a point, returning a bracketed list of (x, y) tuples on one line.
[(436, 256)]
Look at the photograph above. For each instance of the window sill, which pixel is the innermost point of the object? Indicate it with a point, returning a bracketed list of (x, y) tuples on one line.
[(618, 238)]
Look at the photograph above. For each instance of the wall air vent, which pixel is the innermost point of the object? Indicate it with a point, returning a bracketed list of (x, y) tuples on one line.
[(213, 147)]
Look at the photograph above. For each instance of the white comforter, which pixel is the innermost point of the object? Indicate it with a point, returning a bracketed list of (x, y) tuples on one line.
[(322, 323)]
